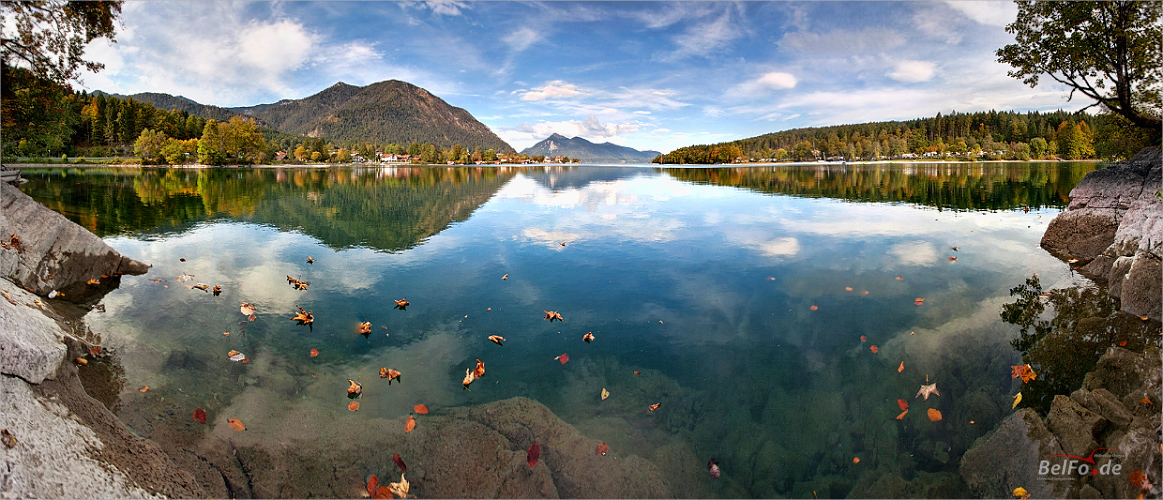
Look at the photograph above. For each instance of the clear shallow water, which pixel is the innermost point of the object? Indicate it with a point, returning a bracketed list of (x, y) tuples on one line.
[(740, 294)]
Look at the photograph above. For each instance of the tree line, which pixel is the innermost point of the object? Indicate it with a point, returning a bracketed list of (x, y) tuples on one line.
[(984, 135)]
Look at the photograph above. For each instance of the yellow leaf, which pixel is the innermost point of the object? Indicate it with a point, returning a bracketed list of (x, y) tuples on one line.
[(605, 394), (1017, 399)]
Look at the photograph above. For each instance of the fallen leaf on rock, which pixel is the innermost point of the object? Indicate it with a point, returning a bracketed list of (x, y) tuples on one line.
[(410, 424), (1139, 479), (553, 315), (563, 358), (365, 328), (399, 489), (653, 406), (95, 350), (1146, 401), (247, 309), (200, 415), (479, 371), (497, 339), (81, 361), (904, 405), (602, 449), (143, 389), (468, 378), (236, 424), (1017, 399), (934, 415), (588, 337), (874, 349), (314, 352), (399, 462), (236, 356), (533, 454), (926, 390), (1122, 343), (353, 406), (8, 439), (1020, 493), (354, 387), (901, 368), (1144, 318), (383, 492), (421, 409), (605, 394), (902, 415), (372, 482)]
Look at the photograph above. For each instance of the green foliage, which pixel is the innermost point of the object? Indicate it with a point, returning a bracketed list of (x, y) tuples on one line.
[(37, 114), (210, 147), (1108, 51), (48, 37), (149, 145)]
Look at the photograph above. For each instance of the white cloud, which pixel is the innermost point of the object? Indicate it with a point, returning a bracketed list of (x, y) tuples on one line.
[(522, 38), (913, 71), (914, 253), (704, 38), (446, 8), (556, 89), (775, 80), (984, 12), (842, 42), (591, 129)]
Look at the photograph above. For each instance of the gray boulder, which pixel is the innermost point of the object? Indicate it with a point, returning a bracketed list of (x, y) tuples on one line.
[(43, 251), (1114, 225), (1008, 458), (31, 344)]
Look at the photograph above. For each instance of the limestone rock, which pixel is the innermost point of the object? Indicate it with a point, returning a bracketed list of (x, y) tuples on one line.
[(1008, 457), (1102, 402), (30, 342), (53, 253), (1074, 425), (1114, 225)]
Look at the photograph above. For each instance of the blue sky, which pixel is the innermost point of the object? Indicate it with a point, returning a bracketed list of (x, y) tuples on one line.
[(649, 75)]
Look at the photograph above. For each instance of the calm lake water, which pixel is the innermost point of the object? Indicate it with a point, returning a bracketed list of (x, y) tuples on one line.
[(750, 299)]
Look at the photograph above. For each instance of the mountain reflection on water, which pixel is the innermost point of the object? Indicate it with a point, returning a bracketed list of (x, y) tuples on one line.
[(745, 301)]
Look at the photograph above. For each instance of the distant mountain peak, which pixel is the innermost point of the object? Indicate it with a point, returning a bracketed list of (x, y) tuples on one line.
[(558, 136), (584, 150)]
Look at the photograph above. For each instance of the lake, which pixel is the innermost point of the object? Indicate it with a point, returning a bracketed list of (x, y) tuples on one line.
[(776, 313)]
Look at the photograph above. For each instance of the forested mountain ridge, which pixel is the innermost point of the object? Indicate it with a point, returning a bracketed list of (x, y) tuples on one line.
[(577, 147), (385, 112), (168, 102)]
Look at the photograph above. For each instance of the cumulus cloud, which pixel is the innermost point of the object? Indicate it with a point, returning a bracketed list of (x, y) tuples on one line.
[(768, 82), (556, 89), (913, 71), (985, 12)]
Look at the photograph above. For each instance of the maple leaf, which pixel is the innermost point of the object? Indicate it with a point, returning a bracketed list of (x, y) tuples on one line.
[(354, 387), (1024, 371), (402, 304), (588, 337), (553, 315), (479, 371), (497, 339), (602, 449), (310, 260), (390, 374), (365, 328), (926, 390), (399, 489), (247, 309), (304, 317)]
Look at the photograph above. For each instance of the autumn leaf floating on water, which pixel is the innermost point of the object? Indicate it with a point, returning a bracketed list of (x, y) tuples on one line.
[(217, 290), (863, 339), (247, 309), (364, 328), (236, 356), (479, 371), (904, 405), (200, 415), (553, 315), (602, 449), (310, 260), (815, 308), (533, 454), (654, 406), (902, 415), (390, 374), (410, 424), (468, 378), (354, 387), (919, 301), (353, 406), (505, 277), (420, 409), (901, 368), (874, 349), (297, 284), (926, 390), (1017, 399), (605, 394), (402, 304), (314, 352), (934, 414), (304, 317), (1024, 371), (564, 358), (497, 339), (588, 337)]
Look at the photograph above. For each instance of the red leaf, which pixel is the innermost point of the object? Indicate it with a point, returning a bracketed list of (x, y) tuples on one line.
[(372, 482), (383, 492), (563, 358), (602, 449), (533, 454), (200, 415), (903, 404), (874, 349), (421, 409), (399, 462)]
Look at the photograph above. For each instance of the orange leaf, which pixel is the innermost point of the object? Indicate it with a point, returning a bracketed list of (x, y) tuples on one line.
[(855, 460), (848, 288), (902, 415), (815, 308), (353, 406), (654, 406), (143, 389), (1122, 343), (873, 349), (236, 424), (95, 350), (479, 371), (1146, 400), (364, 328), (354, 387), (919, 301), (901, 368), (900, 278), (200, 415), (410, 424), (904, 405), (934, 415), (1139, 479), (602, 449), (372, 482), (636, 372), (314, 352), (421, 409), (383, 492), (863, 339)]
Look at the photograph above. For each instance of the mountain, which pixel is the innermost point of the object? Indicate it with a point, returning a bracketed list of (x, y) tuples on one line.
[(586, 151), (166, 102), (384, 112)]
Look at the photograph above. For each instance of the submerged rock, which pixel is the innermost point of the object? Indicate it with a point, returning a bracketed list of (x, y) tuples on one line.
[(43, 251), (1114, 225)]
